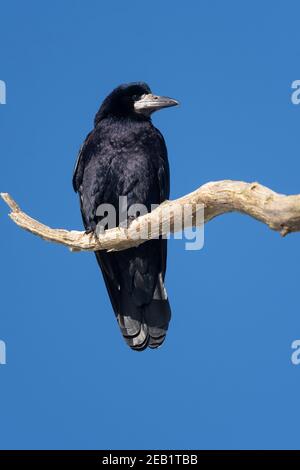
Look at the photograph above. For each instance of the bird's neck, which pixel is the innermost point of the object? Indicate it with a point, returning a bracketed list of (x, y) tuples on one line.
[(123, 122)]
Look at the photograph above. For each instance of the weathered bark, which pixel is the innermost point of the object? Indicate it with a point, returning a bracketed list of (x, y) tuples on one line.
[(279, 212)]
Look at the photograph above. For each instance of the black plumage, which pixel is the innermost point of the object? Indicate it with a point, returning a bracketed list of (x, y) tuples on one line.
[(125, 155)]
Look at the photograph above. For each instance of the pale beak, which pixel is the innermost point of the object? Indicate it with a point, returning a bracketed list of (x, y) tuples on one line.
[(149, 103)]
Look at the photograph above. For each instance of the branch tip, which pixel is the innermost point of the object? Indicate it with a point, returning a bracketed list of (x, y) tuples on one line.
[(10, 202)]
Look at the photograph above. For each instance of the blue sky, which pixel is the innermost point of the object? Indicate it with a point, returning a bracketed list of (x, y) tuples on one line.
[(224, 377)]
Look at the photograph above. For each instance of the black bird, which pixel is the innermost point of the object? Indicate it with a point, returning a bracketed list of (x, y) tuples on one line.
[(125, 155)]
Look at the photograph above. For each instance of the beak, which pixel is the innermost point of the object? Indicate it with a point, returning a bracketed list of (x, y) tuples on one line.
[(147, 104)]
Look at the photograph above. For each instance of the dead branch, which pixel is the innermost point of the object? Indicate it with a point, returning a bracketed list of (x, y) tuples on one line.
[(279, 212)]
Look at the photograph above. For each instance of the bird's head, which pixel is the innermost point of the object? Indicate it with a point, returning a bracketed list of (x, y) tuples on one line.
[(132, 100)]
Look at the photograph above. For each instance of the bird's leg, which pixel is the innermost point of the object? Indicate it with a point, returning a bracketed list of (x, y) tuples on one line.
[(91, 228)]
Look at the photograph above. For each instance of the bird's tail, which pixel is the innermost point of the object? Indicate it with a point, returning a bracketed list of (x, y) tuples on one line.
[(142, 324), (145, 325)]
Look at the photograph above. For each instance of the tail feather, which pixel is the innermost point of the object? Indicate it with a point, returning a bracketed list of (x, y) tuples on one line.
[(134, 332), (150, 330), (142, 324), (157, 316), (145, 325)]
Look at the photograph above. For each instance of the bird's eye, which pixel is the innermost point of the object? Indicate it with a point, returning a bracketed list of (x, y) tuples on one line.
[(135, 97)]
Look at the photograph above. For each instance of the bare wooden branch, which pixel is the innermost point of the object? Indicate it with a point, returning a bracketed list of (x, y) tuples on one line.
[(279, 212)]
